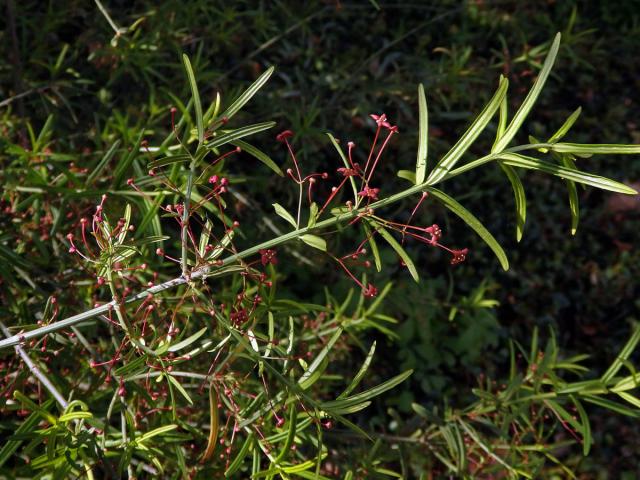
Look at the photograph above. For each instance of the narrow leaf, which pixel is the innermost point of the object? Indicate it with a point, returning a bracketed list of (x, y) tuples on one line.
[(103, 163), (531, 163), (595, 149), (474, 223), (213, 427), (519, 197), (304, 380), (196, 98), (258, 154), (399, 250), (566, 126), (247, 95), (531, 97), (423, 136), (233, 135), (451, 158)]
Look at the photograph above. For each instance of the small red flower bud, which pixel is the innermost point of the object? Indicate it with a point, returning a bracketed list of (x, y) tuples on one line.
[(283, 136)]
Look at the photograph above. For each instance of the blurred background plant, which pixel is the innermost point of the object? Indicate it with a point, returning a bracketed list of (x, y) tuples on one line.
[(82, 84)]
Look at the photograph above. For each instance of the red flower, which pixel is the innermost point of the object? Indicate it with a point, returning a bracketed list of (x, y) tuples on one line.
[(369, 193), (268, 257), (459, 256), (370, 292)]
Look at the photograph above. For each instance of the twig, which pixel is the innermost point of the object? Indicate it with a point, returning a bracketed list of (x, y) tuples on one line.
[(33, 368)]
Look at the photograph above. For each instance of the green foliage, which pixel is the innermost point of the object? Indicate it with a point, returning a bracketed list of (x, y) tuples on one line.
[(192, 339)]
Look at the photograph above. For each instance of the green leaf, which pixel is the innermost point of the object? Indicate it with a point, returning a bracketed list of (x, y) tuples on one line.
[(103, 163), (623, 356), (188, 341), (313, 215), (613, 406), (291, 434), (258, 154), (156, 431), (180, 388), (474, 223), (595, 149), (371, 239), (164, 161), (305, 380), (587, 439), (407, 175), (566, 126), (423, 136), (239, 458), (125, 163), (531, 163), (30, 423), (196, 99), (284, 214), (399, 250), (314, 241), (360, 375), (367, 394), (451, 158), (519, 196), (345, 162), (234, 135), (67, 417), (247, 95), (502, 122), (531, 97), (574, 205)]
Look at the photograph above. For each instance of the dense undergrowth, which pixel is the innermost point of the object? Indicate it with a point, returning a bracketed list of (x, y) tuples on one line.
[(128, 167)]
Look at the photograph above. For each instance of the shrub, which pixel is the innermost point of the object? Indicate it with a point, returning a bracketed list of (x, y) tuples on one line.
[(183, 327)]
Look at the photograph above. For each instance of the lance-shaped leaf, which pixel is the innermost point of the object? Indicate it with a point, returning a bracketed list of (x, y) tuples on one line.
[(197, 105), (367, 394), (164, 161), (280, 210), (473, 222), (247, 95), (423, 136), (519, 196), (595, 149), (399, 250), (530, 99), (566, 126), (451, 158), (531, 163), (103, 163), (317, 367), (259, 154), (314, 241), (233, 135)]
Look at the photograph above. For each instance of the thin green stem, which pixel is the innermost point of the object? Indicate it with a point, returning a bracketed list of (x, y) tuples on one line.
[(185, 220)]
